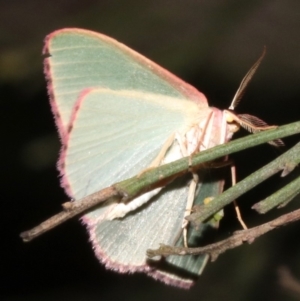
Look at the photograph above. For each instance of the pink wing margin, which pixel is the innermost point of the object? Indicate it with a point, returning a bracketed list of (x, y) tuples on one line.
[(120, 268), (63, 151)]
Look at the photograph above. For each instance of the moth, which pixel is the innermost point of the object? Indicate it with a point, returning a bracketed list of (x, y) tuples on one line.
[(118, 114)]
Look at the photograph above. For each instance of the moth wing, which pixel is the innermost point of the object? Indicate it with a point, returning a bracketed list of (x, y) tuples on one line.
[(78, 59), (96, 86), (116, 134), (121, 244)]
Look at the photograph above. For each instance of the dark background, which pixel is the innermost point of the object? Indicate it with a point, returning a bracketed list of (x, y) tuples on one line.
[(210, 44)]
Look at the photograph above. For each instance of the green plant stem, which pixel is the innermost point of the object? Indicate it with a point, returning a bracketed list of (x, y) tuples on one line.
[(202, 212), (283, 195)]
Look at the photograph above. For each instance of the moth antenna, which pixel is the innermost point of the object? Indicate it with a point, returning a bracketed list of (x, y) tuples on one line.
[(241, 90), (254, 124)]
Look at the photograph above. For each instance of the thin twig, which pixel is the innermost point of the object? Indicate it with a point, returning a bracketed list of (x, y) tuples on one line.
[(71, 209), (238, 238)]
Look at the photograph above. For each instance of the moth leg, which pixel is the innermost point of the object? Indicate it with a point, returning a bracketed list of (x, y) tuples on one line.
[(236, 207), (192, 189), (161, 155), (200, 139), (189, 205), (191, 150)]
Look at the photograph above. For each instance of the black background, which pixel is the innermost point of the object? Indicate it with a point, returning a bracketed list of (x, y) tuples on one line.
[(210, 44)]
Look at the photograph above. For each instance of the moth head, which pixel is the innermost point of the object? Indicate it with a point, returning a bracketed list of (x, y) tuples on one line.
[(231, 121)]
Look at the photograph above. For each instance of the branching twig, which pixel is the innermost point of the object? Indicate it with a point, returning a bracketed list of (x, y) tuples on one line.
[(238, 238), (202, 212), (132, 187)]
